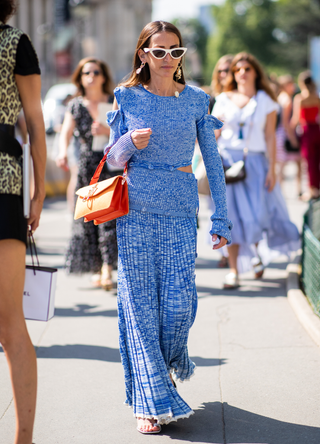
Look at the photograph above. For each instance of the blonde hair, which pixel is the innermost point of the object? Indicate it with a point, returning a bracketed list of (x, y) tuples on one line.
[(305, 79), (285, 79), (216, 86)]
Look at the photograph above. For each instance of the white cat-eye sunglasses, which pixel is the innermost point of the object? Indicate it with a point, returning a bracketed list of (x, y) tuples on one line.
[(160, 53)]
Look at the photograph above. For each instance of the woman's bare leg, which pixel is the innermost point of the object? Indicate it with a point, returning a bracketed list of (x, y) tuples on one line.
[(71, 189), (233, 251), (15, 339)]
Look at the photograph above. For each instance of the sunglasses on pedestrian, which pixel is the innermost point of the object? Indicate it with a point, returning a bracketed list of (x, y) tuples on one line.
[(220, 71), (96, 73), (159, 53), (246, 69)]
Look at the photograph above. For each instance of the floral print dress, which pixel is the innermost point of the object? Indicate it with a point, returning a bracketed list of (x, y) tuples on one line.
[(90, 245)]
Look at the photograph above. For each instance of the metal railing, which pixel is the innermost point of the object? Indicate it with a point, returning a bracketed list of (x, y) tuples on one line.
[(310, 277)]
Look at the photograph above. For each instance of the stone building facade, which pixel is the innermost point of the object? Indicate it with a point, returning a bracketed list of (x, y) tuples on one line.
[(107, 29)]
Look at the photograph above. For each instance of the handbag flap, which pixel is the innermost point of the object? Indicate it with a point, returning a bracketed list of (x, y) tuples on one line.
[(97, 188), (235, 169)]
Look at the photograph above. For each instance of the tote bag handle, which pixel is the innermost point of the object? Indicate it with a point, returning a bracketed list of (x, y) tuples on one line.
[(33, 251)]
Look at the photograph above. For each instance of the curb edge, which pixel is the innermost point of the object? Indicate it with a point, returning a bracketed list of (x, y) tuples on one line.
[(300, 304)]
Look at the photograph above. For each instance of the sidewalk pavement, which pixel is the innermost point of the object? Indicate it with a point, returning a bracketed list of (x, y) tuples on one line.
[(257, 378)]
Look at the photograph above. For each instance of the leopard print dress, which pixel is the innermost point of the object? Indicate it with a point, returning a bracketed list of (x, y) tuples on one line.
[(10, 107), (90, 245)]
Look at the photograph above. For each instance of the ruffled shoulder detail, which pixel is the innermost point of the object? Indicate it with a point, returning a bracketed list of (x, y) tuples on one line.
[(112, 116), (117, 94), (217, 124), (210, 121)]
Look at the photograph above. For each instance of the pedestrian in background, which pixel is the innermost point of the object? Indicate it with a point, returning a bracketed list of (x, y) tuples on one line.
[(306, 114), (248, 109), (288, 149), (20, 87), (219, 76), (154, 128), (73, 152), (92, 249)]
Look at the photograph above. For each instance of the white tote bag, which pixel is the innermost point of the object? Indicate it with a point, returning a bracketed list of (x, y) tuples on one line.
[(39, 290)]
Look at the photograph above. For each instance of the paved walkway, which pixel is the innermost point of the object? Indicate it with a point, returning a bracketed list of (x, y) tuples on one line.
[(257, 379)]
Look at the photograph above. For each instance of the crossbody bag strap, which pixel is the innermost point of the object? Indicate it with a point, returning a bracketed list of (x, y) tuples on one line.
[(96, 176), (246, 149)]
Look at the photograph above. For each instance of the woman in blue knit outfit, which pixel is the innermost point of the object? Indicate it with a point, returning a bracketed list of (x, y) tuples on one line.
[(154, 126)]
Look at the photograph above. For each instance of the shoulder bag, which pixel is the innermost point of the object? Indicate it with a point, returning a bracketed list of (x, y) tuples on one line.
[(236, 172), (103, 201)]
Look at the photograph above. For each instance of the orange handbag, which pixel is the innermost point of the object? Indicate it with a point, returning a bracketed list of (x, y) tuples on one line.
[(105, 200)]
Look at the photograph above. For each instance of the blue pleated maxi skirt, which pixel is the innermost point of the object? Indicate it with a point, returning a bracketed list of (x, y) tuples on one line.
[(258, 216), (157, 304)]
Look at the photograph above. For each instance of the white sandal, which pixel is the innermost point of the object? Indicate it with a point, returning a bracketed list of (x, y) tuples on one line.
[(258, 270), (231, 280), (258, 267), (156, 428)]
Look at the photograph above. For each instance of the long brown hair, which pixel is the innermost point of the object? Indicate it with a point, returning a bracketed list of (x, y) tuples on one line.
[(148, 31), (107, 86), (262, 82), (215, 82)]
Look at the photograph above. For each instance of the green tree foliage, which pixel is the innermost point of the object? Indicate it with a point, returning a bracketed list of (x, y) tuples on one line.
[(242, 25), (296, 22), (194, 36), (276, 32)]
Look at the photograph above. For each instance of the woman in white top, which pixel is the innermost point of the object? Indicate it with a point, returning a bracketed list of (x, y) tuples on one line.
[(255, 205)]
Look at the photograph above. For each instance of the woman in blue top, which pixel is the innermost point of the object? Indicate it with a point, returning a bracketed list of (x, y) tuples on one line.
[(154, 126)]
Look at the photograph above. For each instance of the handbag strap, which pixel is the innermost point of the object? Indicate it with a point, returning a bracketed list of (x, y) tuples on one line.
[(33, 250), (246, 149), (97, 173)]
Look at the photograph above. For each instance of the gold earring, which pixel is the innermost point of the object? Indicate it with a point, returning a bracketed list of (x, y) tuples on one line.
[(178, 73), (140, 68)]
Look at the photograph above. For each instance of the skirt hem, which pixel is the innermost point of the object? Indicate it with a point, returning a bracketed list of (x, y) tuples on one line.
[(166, 418), (185, 379)]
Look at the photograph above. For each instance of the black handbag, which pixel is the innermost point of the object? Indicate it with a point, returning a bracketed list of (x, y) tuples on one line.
[(237, 171), (290, 148)]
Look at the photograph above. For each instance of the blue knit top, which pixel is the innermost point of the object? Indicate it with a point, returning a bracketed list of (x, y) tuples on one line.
[(154, 182)]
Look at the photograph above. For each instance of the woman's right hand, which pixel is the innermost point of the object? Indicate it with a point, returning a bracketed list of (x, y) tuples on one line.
[(140, 138), (62, 162)]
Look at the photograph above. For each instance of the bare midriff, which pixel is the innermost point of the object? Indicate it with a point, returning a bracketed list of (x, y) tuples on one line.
[(187, 169)]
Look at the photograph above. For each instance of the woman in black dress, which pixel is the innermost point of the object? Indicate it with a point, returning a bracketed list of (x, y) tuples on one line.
[(20, 87), (92, 248)]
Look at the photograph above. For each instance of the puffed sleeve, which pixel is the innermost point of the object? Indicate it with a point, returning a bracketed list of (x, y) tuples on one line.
[(269, 104), (206, 125), (218, 108), (120, 145)]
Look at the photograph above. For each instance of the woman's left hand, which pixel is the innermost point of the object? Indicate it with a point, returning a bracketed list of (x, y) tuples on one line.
[(221, 244), (35, 212), (270, 180), (98, 129)]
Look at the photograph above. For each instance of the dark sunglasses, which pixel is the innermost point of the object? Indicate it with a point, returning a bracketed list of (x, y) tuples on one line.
[(247, 69), (96, 73), (220, 71)]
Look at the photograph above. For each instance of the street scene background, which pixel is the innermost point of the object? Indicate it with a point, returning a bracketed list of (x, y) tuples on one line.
[(257, 378)]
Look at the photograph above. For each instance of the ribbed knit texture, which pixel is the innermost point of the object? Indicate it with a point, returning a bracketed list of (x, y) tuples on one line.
[(175, 123), (157, 303), (157, 298)]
